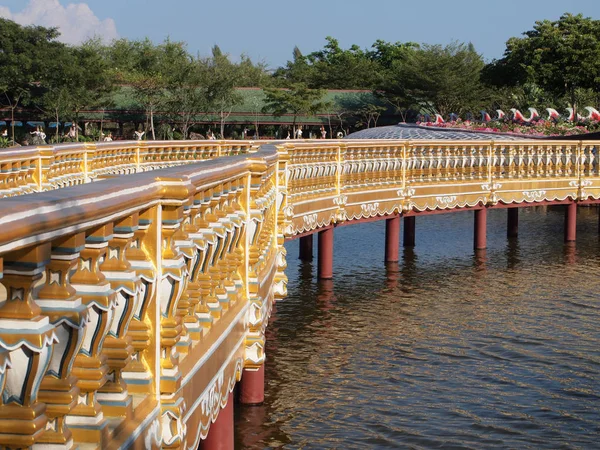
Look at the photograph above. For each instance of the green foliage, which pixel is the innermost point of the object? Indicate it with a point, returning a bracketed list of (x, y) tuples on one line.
[(5, 142), (436, 79), (559, 56), (28, 56), (297, 100)]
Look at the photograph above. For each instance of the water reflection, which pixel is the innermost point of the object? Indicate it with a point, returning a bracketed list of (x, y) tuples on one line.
[(448, 348)]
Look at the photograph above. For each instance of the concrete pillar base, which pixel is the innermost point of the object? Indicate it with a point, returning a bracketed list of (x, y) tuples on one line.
[(306, 248), (512, 223), (480, 235), (220, 433), (252, 386), (571, 222), (392, 239), (325, 261), (409, 231)]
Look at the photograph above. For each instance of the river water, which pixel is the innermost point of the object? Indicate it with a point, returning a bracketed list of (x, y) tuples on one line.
[(447, 349)]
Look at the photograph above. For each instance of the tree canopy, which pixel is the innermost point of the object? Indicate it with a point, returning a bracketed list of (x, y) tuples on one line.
[(560, 56), (555, 64)]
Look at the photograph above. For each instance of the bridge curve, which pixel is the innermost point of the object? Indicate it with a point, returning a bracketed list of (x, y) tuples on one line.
[(131, 307)]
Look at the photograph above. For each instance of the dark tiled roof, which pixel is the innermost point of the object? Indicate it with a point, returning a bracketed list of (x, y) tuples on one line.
[(411, 131)]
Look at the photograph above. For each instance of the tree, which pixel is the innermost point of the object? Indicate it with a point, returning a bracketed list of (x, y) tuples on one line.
[(55, 105), (187, 94), (147, 68), (297, 100), (86, 79), (368, 114), (436, 79), (560, 56), (27, 56), (221, 90), (331, 68)]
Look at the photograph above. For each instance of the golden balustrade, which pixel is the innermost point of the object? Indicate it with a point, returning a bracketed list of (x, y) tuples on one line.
[(348, 180), (34, 169), (130, 307)]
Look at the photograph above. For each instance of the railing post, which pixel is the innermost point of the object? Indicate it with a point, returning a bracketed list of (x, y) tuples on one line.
[(490, 163), (87, 170), (138, 161), (43, 166), (85, 166), (405, 147)]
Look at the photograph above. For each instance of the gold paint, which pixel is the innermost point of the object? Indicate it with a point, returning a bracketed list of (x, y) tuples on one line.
[(195, 250)]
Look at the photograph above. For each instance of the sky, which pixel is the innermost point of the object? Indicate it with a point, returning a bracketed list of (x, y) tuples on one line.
[(268, 30)]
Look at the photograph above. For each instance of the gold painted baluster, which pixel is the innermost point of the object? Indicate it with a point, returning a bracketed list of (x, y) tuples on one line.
[(140, 254), (188, 251), (191, 320), (171, 286), (113, 396), (59, 301), (86, 420), (206, 239), (28, 336)]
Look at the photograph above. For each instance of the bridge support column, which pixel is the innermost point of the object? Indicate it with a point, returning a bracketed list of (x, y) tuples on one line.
[(480, 234), (513, 222), (392, 239), (409, 231), (306, 248), (252, 386), (220, 433), (325, 262), (570, 222)]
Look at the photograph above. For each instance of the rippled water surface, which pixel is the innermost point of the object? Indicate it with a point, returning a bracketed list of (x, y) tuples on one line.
[(446, 349)]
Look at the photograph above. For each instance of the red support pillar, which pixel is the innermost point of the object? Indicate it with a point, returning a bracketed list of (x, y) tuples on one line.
[(392, 239), (409, 231), (480, 229), (306, 248), (252, 386), (325, 262), (220, 433), (513, 222), (570, 222)]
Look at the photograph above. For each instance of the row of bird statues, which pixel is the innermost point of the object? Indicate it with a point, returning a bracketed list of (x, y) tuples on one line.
[(518, 116)]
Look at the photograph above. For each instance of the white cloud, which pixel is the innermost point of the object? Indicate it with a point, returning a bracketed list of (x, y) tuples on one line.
[(76, 21)]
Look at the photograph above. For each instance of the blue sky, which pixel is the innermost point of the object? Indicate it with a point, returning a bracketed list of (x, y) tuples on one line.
[(268, 30)]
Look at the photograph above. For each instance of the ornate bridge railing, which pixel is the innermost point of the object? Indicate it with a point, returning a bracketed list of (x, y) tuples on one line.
[(339, 181), (35, 169), (130, 307)]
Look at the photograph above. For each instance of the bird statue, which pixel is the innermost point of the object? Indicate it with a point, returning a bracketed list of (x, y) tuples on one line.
[(485, 117), (571, 115), (438, 119), (593, 113), (552, 114), (518, 115), (500, 114)]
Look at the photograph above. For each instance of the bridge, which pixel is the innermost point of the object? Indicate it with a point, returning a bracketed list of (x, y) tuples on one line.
[(131, 306)]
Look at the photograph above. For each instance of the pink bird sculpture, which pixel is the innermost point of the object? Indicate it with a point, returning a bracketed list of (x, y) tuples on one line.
[(518, 115), (593, 113), (571, 115), (552, 113)]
